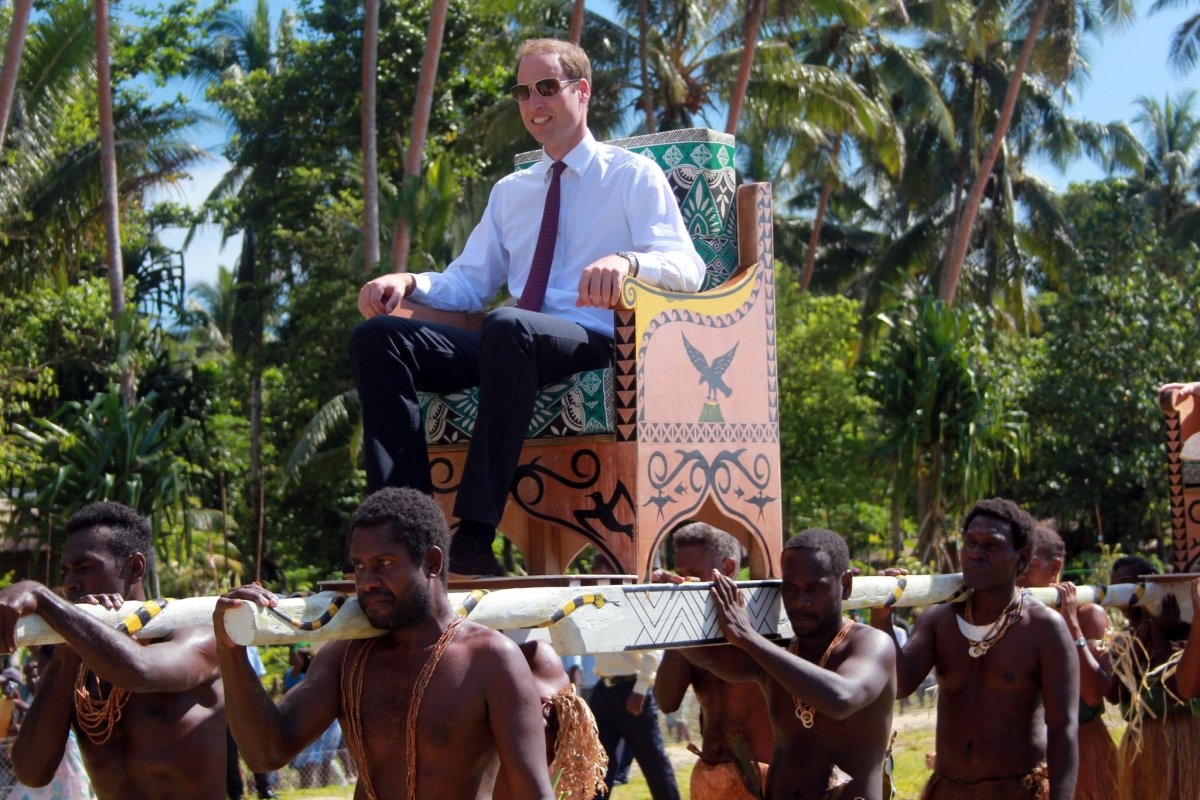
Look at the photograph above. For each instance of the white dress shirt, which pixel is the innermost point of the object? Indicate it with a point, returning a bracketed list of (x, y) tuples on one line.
[(612, 200), (641, 663)]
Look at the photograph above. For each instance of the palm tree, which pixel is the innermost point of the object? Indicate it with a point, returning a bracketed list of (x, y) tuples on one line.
[(51, 219), (12, 61), (754, 17), (242, 45), (402, 240), (1185, 41), (1169, 183), (577, 14), (112, 208), (370, 140), (647, 100), (1056, 60)]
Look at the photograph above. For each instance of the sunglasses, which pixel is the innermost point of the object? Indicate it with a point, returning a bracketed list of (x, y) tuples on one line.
[(546, 87)]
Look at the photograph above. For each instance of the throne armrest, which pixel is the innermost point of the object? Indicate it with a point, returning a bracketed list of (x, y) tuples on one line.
[(411, 309)]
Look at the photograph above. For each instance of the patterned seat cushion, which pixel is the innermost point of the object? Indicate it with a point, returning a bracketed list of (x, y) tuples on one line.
[(577, 405), (699, 166)]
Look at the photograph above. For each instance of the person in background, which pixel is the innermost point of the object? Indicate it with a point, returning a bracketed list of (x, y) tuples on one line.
[(622, 702), (1161, 723), (1088, 625), (234, 783), (727, 710)]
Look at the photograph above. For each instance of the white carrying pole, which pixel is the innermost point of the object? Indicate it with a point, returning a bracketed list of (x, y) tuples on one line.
[(591, 619)]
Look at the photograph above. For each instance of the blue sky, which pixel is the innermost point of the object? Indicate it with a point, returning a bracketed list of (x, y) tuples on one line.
[(1124, 65)]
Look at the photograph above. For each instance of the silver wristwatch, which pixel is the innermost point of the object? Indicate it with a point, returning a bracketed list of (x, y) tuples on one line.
[(633, 262)]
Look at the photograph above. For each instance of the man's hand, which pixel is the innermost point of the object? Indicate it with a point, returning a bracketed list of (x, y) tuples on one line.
[(252, 593), (18, 600), (111, 602), (731, 610), (666, 576), (382, 295), (635, 703), (881, 618), (1184, 389), (1068, 607), (600, 283)]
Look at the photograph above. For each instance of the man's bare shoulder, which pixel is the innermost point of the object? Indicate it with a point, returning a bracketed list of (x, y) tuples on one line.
[(866, 639), (939, 614), (486, 643), (1045, 620), (198, 636)]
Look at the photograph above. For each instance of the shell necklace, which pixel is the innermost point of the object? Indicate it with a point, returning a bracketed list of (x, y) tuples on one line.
[(804, 712), (983, 638)]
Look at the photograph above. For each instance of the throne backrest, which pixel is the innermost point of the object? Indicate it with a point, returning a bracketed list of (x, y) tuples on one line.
[(698, 163)]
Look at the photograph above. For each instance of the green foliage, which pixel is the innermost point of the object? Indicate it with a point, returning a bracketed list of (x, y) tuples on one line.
[(1124, 328), (106, 451), (829, 480), (947, 428)]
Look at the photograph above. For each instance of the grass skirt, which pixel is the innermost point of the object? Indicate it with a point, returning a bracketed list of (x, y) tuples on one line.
[(720, 782), (1167, 765), (1097, 763)]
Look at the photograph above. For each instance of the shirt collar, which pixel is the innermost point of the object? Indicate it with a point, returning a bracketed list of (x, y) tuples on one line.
[(577, 160)]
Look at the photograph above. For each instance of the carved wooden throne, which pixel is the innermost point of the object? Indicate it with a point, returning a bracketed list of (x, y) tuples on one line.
[(1182, 417), (684, 426)]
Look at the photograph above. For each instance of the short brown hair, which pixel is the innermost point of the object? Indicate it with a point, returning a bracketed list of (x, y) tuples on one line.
[(575, 62)]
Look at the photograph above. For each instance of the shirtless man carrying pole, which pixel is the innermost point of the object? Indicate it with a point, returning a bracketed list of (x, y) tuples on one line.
[(1008, 675), (424, 707), (830, 692), (1088, 623), (148, 714), (726, 709)]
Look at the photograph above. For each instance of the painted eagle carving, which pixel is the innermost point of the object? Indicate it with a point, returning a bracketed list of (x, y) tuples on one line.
[(713, 373)]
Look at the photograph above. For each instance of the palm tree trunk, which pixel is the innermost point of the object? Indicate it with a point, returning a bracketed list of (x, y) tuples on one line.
[(12, 61), (962, 236), (369, 137), (576, 31), (810, 257), (108, 169), (402, 241), (644, 61), (256, 467), (754, 15)]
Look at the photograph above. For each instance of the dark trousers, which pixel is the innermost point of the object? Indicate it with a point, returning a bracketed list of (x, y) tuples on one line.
[(514, 354), (640, 734), (233, 773)]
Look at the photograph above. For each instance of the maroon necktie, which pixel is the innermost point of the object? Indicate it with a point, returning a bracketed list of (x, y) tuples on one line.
[(543, 254)]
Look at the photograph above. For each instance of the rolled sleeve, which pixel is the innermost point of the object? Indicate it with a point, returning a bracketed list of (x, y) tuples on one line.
[(647, 672), (666, 256)]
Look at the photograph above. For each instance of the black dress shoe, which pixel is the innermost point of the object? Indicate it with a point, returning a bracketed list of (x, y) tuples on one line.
[(469, 557)]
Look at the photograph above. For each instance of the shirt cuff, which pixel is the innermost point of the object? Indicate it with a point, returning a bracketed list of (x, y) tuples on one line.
[(663, 271), (422, 284), (643, 685)]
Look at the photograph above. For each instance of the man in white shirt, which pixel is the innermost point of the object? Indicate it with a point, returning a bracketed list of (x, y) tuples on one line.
[(562, 235), (623, 703)]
